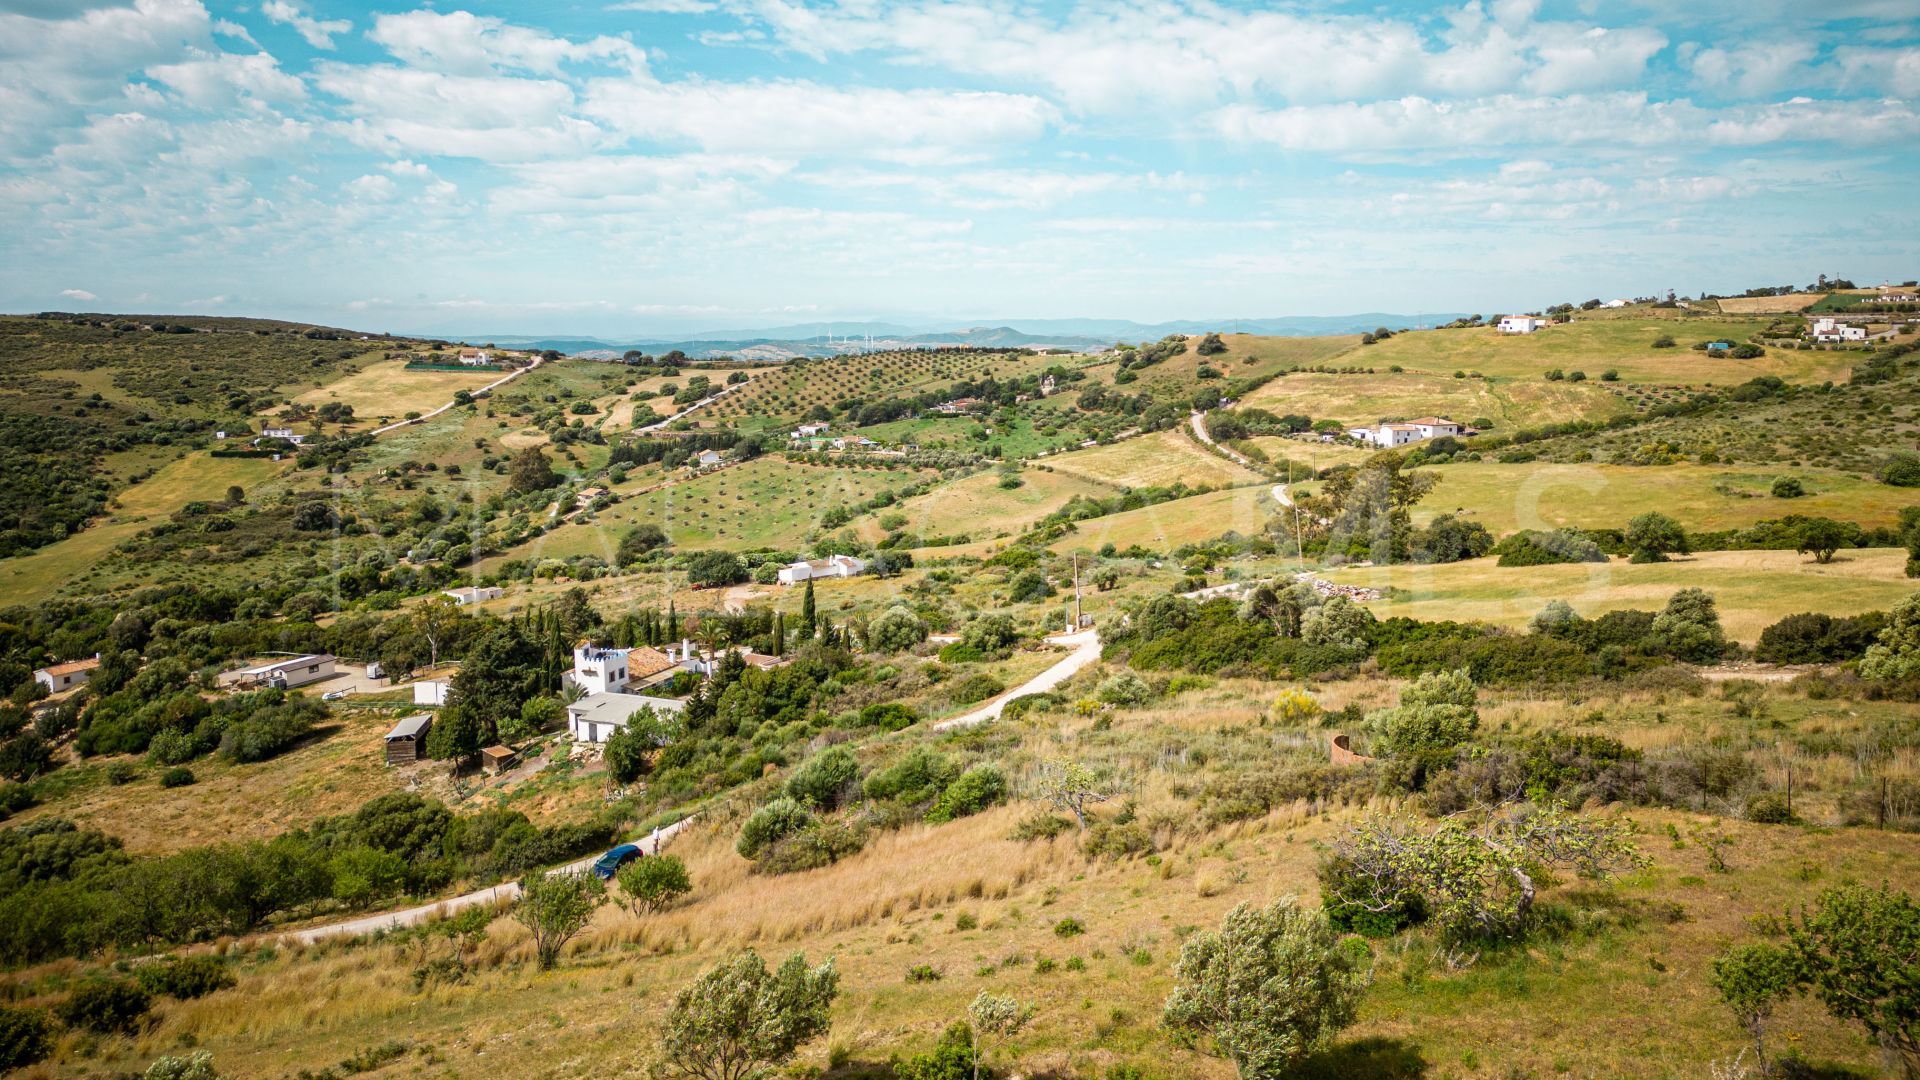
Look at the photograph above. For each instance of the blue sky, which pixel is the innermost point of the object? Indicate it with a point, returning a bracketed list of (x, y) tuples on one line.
[(662, 166)]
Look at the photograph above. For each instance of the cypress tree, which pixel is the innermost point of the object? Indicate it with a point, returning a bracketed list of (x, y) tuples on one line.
[(779, 633), (807, 611)]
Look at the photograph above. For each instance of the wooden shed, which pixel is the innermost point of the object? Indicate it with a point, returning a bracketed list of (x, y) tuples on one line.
[(495, 760), (407, 742)]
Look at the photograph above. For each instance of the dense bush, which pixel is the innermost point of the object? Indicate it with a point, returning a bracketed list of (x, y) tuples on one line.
[(1530, 548), (1814, 638), (824, 780), (776, 820), (26, 1037), (185, 977), (106, 1007), (975, 790)]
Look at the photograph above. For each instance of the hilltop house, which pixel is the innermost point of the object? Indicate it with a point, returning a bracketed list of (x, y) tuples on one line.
[(1388, 436), (841, 566), (281, 433), (1520, 324), (808, 431), (474, 594), (1827, 328), (596, 717), (58, 677), (475, 357)]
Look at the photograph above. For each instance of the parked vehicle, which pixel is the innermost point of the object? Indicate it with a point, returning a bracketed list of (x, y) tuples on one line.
[(609, 864)]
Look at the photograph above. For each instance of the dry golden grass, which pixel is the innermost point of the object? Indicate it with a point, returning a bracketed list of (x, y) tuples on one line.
[(386, 389), (1768, 305), (1158, 459), (1753, 589), (334, 772)]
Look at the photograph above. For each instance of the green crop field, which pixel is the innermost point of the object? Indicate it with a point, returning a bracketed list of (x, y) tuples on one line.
[(1539, 495), (1361, 399), (1596, 345), (1157, 459), (1754, 589)]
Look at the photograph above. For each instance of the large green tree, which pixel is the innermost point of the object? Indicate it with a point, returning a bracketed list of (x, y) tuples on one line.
[(531, 471), (1896, 655), (1266, 989), (738, 1020)]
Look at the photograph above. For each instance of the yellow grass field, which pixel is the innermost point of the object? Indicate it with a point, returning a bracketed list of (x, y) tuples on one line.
[(1754, 589), (1183, 521), (1768, 305), (1311, 451), (385, 389), (1157, 459), (1539, 495), (40, 574), (978, 506), (1368, 399), (1595, 345), (333, 774)]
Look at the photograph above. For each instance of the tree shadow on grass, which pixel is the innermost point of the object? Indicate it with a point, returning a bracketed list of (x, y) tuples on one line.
[(1375, 1058)]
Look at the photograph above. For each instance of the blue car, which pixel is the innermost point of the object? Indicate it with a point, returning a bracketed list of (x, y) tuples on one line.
[(609, 864)]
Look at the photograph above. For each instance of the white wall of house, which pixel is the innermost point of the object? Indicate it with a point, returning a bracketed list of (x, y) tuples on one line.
[(431, 692)]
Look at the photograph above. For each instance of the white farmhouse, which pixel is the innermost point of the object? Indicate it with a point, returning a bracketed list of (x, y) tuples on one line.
[(596, 717), (841, 566), (475, 357), (598, 670), (1520, 324), (282, 433), (1827, 328), (808, 431), (1388, 436), (58, 677), (474, 594)]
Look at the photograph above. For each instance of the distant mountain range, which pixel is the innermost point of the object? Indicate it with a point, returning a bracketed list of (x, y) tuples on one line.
[(1078, 335)]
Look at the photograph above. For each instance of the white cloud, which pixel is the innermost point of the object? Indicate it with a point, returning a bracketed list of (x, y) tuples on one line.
[(218, 80), (1472, 128), (793, 117), (665, 7), (1753, 70), (77, 294), (466, 44), (317, 32), (402, 111)]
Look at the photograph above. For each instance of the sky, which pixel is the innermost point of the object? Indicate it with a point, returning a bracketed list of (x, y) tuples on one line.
[(634, 167)]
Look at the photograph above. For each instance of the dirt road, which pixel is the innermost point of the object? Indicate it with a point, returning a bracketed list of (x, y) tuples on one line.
[(1085, 646), (414, 916)]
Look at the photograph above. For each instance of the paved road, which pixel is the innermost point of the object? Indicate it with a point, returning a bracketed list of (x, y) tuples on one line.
[(1086, 649), (510, 376), (394, 920)]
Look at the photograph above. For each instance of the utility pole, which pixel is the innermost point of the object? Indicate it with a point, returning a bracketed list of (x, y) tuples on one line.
[(1076, 593)]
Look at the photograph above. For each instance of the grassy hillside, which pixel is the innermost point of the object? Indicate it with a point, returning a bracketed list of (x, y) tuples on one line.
[(1595, 345), (1754, 589), (1159, 459), (1363, 399)]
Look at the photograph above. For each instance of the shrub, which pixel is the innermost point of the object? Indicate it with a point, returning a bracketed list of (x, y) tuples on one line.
[(1041, 826), (26, 1037), (1770, 808), (960, 653), (1530, 548), (1125, 689), (106, 1007), (185, 977), (824, 779), (1786, 487), (975, 790), (978, 686), (1352, 908), (1069, 928), (888, 716), (654, 882), (776, 820), (896, 630), (916, 778), (1115, 839), (178, 776)]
